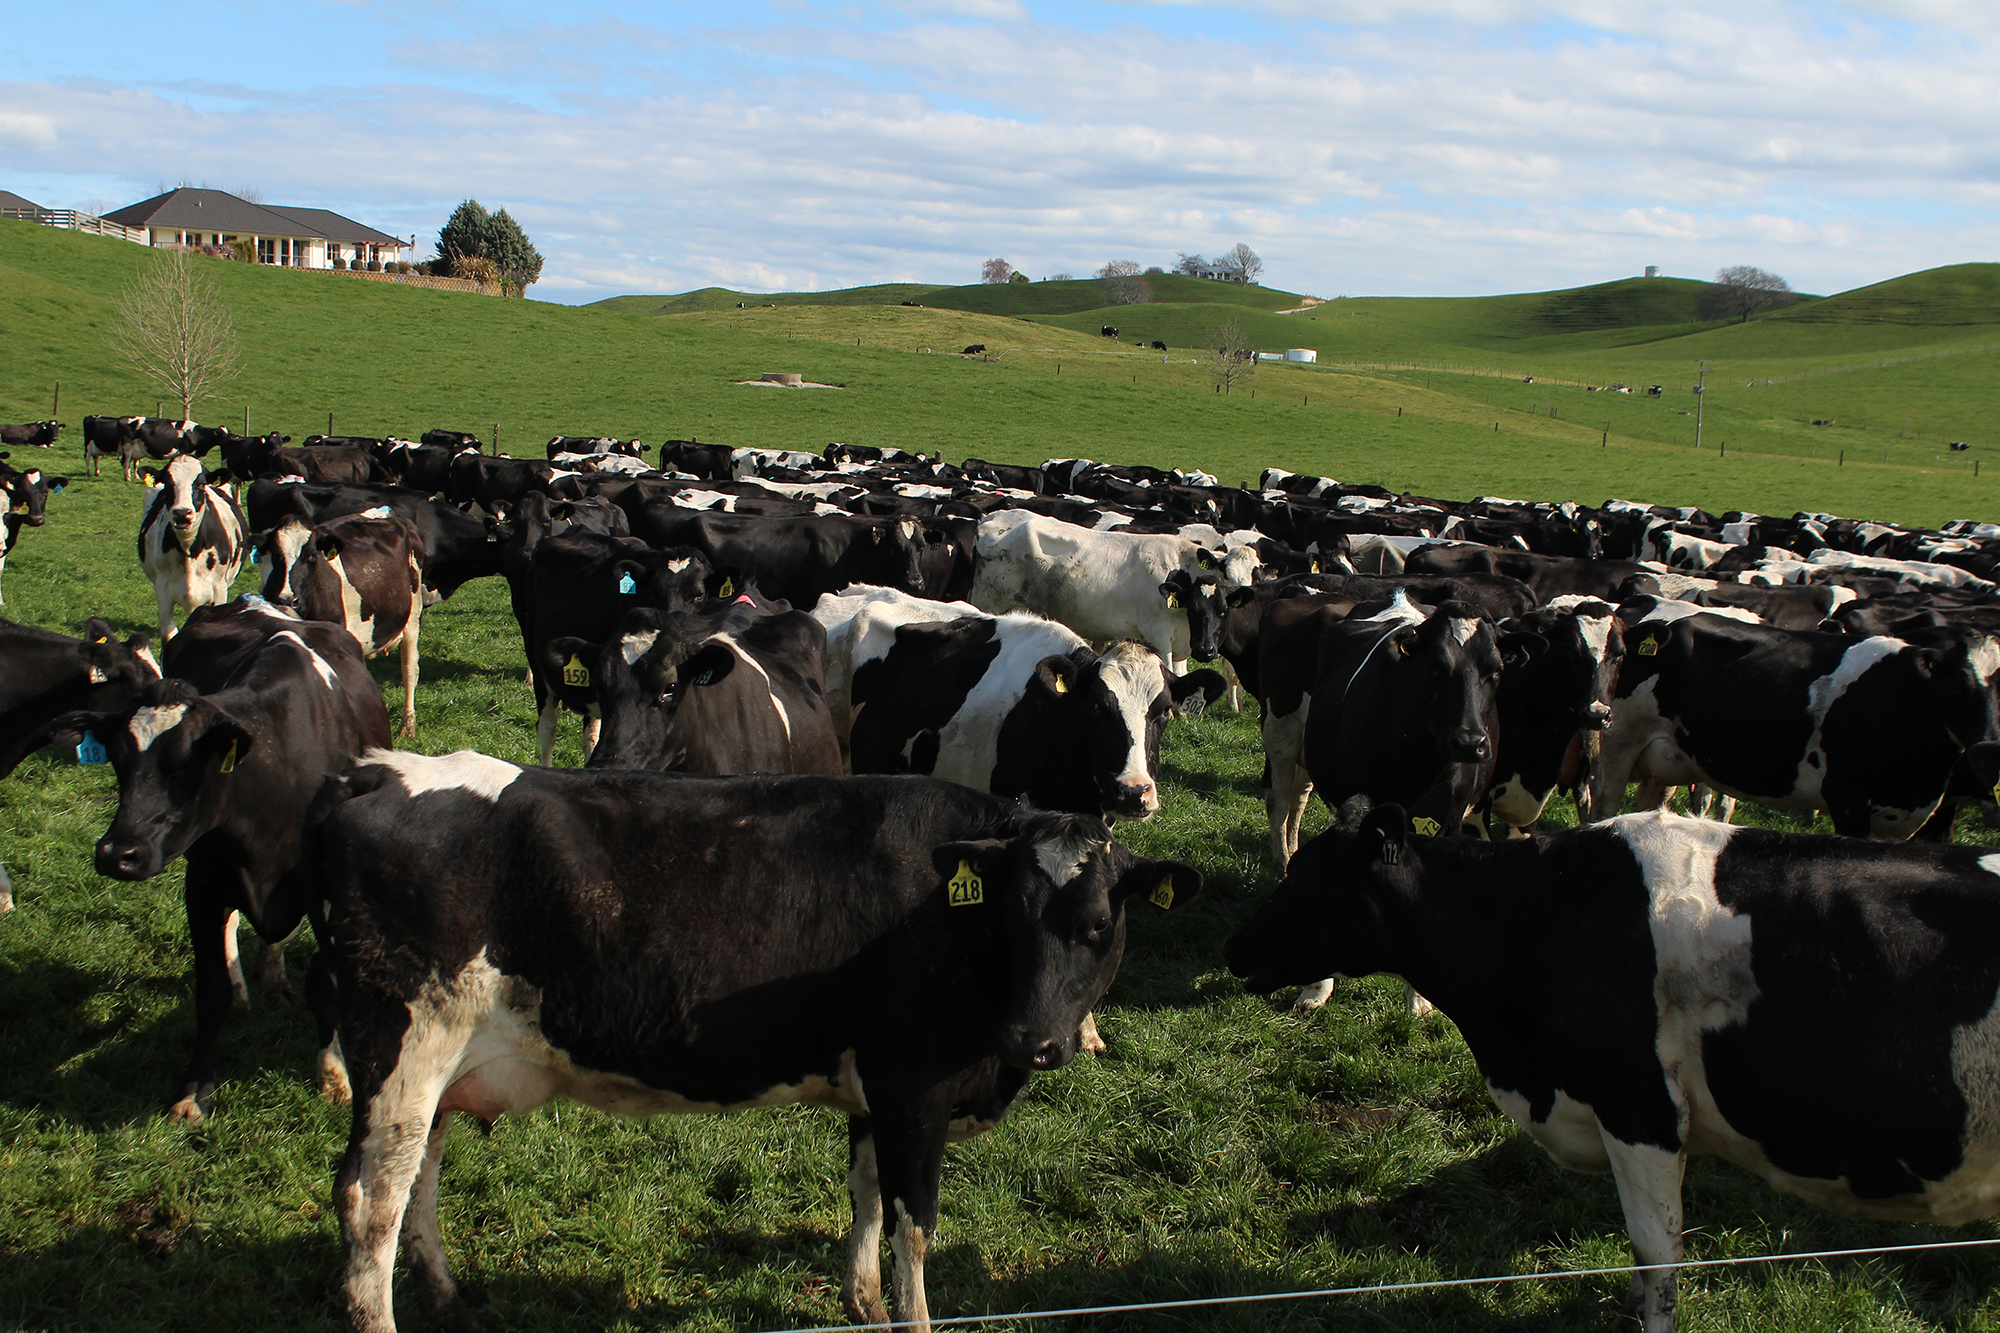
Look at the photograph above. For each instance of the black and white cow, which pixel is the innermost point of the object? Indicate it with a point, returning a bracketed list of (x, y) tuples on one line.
[(734, 687), (112, 437), (24, 498), (38, 434), (1824, 1012), (223, 761), (457, 547), (860, 628), (901, 949), (361, 571), (44, 675), (191, 540), (163, 437), (1552, 705), (1867, 730), (1023, 707)]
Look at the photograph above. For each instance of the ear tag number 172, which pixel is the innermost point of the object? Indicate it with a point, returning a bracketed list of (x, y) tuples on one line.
[(91, 750)]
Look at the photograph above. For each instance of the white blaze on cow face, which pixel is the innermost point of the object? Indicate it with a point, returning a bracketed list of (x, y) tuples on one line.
[(1990, 863), (280, 556), (635, 646), (1985, 654), (149, 724), (461, 770), (180, 479), (1464, 627), (1133, 675), (1062, 859)]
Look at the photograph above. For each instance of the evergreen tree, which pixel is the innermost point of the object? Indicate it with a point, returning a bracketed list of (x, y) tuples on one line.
[(466, 234), (520, 263), (478, 244)]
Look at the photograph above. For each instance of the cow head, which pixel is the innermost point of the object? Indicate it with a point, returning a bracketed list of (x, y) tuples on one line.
[(1199, 598), (1445, 674), (650, 683), (27, 493), (183, 483), (1058, 888), (287, 559), (175, 754), (1328, 917), (1097, 720)]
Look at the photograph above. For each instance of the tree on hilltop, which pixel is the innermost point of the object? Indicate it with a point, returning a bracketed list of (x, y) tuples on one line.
[(995, 270), (489, 247), (1741, 291), (1122, 283), (1242, 261)]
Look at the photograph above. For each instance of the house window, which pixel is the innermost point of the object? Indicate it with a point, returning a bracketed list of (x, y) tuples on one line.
[(267, 250)]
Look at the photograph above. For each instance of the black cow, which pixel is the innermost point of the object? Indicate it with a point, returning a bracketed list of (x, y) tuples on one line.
[(1816, 1010), (44, 675), (973, 349), (422, 467), (581, 585), (1551, 705), (1868, 730), (191, 539), (163, 437), (246, 457), (223, 761), (40, 434), (112, 437), (1550, 576), (1159, 346), (1107, 331), (901, 949), (24, 498), (797, 558), (595, 444), (454, 440), (360, 572), (736, 687)]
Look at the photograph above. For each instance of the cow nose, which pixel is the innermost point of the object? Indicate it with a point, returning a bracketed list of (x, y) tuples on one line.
[(1471, 748), (120, 862), (181, 517), (1023, 1052), (1597, 716), (1136, 798)]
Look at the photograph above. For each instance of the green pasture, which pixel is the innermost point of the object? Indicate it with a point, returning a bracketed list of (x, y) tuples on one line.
[(1221, 1148)]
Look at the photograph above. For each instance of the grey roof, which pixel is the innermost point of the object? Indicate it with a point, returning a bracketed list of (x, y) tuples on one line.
[(8, 199), (217, 211)]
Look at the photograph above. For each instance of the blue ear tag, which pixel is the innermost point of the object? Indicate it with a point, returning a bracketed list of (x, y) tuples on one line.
[(627, 584), (91, 750)]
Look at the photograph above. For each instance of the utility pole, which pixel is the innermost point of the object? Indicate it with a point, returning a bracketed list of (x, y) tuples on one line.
[(1701, 375)]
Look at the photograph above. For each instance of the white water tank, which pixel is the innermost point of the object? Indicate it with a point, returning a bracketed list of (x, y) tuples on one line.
[(1301, 354)]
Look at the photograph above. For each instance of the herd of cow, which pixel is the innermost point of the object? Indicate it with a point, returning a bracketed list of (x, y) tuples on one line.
[(919, 695)]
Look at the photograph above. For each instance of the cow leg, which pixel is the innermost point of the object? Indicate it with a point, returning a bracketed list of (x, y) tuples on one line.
[(408, 653), (272, 981), (1235, 686), (1288, 788), (165, 597), (323, 998), (212, 933), (1313, 996), (593, 727), (423, 1240), (239, 990), (1087, 1037), (909, 1146), (861, 1293), (6, 891), (1649, 1188), (399, 1076), (545, 726)]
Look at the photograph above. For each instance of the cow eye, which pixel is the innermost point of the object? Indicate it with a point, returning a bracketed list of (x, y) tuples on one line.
[(1101, 929)]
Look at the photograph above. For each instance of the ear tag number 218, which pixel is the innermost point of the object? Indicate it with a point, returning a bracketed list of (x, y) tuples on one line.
[(965, 888)]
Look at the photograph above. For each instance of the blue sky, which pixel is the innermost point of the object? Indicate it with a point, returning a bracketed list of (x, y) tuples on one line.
[(1362, 147)]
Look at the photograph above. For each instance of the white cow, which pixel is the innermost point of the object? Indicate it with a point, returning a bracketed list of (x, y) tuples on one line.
[(191, 539)]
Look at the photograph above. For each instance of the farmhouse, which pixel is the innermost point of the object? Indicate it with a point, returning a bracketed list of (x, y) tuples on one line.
[(292, 237), (1218, 273)]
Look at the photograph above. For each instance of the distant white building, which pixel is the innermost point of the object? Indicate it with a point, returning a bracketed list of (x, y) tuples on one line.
[(1305, 354), (292, 237), (1218, 273)]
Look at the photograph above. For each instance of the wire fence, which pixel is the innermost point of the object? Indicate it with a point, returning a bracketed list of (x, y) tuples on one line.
[(1388, 1288)]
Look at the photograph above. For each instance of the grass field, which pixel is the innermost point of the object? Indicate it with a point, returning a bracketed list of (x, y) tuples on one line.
[(1221, 1148)]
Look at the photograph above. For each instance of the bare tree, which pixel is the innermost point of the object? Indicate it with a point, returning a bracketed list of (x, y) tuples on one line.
[(174, 328), (1188, 264), (1241, 260), (995, 270), (1235, 355), (1122, 283), (1062, 277), (1740, 291)]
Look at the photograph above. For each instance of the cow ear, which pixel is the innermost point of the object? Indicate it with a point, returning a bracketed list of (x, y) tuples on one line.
[(329, 547), (151, 476), (571, 661), (710, 664), (1390, 825), (69, 729), (1195, 691), (1517, 646), (58, 484), (1205, 558), (1056, 674), (1173, 593), (1927, 660), (1240, 597), (969, 870), (1401, 639), (1165, 884)]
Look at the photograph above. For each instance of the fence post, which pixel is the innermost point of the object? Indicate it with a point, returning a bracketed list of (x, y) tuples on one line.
[(56, 411), (246, 418), (329, 423), (496, 439), (1843, 459)]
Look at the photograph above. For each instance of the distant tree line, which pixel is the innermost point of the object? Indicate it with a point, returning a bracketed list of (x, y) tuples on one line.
[(1125, 281)]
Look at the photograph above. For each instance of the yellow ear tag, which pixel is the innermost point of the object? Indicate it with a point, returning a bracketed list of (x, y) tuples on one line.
[(966, 888), (1062, 686), (1173, 602), (1649, 646), (1162, 895), (576, 673), (229, 758), (1427, 827), (727, 590), (1315, 566)]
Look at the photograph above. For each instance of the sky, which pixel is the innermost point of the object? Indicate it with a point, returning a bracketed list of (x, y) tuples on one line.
[(1361, 147)]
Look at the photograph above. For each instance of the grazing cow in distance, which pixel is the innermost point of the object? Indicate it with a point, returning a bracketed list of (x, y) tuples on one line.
[(1107, 332), (736, 687), (904, 950), (223, 762), (1816, 1010), (112, 437), (361, 571), (973, 349), (1868, 730), (191, 540), (39, 434), (1159, 346)]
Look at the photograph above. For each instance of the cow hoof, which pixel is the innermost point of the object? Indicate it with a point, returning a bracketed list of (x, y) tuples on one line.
[(408, 731), (1312, 997), (194, 1105), (1417, 1005), (866, 1313), (239, 999), (1087, 1038)]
